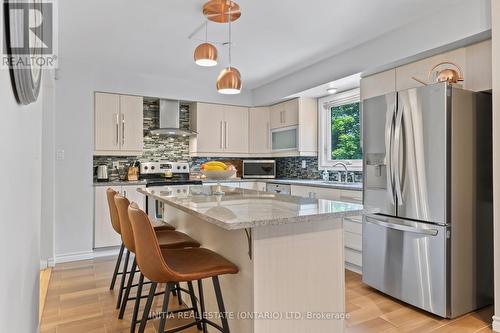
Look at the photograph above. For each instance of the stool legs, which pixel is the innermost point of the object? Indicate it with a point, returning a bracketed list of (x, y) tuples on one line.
[(117, 267), (220, 302), (127, 289), (195, 305), (137, 304), (122, 284), (147, 308), (202, 306), (164, 309)]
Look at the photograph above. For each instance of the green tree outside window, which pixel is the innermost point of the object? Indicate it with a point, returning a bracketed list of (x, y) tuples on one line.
[(346, 143)]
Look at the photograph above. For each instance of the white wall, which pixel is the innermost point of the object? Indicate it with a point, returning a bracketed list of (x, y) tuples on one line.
[(415, 41), (496, 154), (48, 171), (20, 150)]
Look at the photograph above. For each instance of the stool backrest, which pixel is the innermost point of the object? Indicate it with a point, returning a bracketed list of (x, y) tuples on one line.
[(113, 212), (122, 204), (147, 250)]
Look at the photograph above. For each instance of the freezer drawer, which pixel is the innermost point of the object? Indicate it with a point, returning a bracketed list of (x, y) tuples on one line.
[(407, 260)]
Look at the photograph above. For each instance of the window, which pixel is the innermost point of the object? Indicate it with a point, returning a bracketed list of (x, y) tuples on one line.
[(340, 130)]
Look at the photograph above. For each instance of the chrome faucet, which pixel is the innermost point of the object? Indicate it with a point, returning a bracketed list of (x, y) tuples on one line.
[(342, 164)]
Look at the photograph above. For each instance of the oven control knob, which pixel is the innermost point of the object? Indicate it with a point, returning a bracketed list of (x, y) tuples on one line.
[(152, 167), (184, 167), (178, 167), (146, 167)]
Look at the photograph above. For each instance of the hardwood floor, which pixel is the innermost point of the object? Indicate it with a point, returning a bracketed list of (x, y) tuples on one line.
[(44, 288), (79, 300)]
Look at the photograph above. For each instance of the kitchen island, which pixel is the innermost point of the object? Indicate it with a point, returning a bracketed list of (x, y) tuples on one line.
[(289, 251)]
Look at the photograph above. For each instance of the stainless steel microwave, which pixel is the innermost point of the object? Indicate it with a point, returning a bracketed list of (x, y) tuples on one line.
[(259, 169)]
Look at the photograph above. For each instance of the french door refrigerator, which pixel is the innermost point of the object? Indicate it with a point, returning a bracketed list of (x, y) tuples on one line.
[(427, 165)]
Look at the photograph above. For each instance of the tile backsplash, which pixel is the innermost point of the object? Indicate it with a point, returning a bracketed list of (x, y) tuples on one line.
[(177, 149)]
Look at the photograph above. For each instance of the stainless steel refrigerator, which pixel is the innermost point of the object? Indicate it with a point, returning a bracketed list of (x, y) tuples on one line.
[(428, 168)]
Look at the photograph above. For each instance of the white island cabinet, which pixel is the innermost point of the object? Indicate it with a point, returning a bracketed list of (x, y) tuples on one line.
[(289, 251)]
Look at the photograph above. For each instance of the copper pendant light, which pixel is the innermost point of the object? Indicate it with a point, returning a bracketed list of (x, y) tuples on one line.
[(205, 54), (229, 80), (217, 11)]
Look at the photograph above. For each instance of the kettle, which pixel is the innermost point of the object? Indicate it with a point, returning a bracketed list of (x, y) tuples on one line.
[(102, 173)]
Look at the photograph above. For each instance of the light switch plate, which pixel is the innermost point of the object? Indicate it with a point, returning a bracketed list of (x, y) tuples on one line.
[(60, 155), (304, 164)]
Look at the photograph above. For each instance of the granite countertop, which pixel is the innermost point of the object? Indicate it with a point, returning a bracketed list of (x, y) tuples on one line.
[(120, 183), (241, 208), (300, 182)]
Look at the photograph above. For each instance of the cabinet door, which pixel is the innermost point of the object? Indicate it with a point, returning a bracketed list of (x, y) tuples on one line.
[(104, 234), (132, 135), (236, 129), (276, 115), (210, 126), (291, 113), (106, 122), (303, 191), (378, 84), (130, 192), (248, 185), (327, 193), (259, 131)]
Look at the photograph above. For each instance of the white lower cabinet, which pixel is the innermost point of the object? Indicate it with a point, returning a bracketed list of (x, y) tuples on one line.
[(353, 226), (104, 234), (257, 186)]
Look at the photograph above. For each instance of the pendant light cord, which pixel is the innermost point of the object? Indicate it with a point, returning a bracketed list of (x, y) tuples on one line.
[(230, 40)]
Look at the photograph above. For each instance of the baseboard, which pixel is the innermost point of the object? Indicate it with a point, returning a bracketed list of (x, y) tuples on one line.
[(83, 255), (496, 323), (353, 268)]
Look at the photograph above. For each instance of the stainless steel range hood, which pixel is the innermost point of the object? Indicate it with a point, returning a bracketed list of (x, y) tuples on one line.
[(170, 120)]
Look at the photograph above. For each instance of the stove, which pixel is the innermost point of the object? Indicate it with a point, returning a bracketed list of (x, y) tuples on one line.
[(166, 173)]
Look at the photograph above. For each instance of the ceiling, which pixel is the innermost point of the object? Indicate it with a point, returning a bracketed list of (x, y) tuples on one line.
[(271, 39)]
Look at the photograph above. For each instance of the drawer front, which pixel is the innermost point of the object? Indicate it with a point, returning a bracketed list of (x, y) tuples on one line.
[(353, 257), (353, 227), (351, 196), (353, 241)]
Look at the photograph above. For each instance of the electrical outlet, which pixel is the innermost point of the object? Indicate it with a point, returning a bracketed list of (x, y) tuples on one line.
[(304, 164)]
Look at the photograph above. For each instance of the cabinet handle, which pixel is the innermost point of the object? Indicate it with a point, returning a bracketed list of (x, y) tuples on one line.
[(125, 194), (268, 134), (123, 129), (117, 129), (281, 117), (284, 117), (221, 135), (225, 136)]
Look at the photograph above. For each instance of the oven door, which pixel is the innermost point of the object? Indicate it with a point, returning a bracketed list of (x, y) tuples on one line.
[(259, 169), (407, 260)]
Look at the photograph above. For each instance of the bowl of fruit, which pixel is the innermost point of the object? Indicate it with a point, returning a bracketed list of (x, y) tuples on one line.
[(215, 170), (218, 171)]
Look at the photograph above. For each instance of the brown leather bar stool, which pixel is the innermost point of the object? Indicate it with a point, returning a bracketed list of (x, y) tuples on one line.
[(175, 266), (115, 223), (167, 239)]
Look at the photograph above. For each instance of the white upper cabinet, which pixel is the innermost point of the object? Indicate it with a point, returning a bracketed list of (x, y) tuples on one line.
[(221, 129), (285, 114), (208, 121), (259, 130), (107, 122), (475, 61), (118, 124), (236, 129), (378, 84)]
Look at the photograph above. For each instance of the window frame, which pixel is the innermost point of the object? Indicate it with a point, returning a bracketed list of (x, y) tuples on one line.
[(324, 133)]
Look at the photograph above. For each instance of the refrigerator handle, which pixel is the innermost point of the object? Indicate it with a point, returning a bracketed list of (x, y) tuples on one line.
[(398, 132), (389, 135), (400, 227)]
